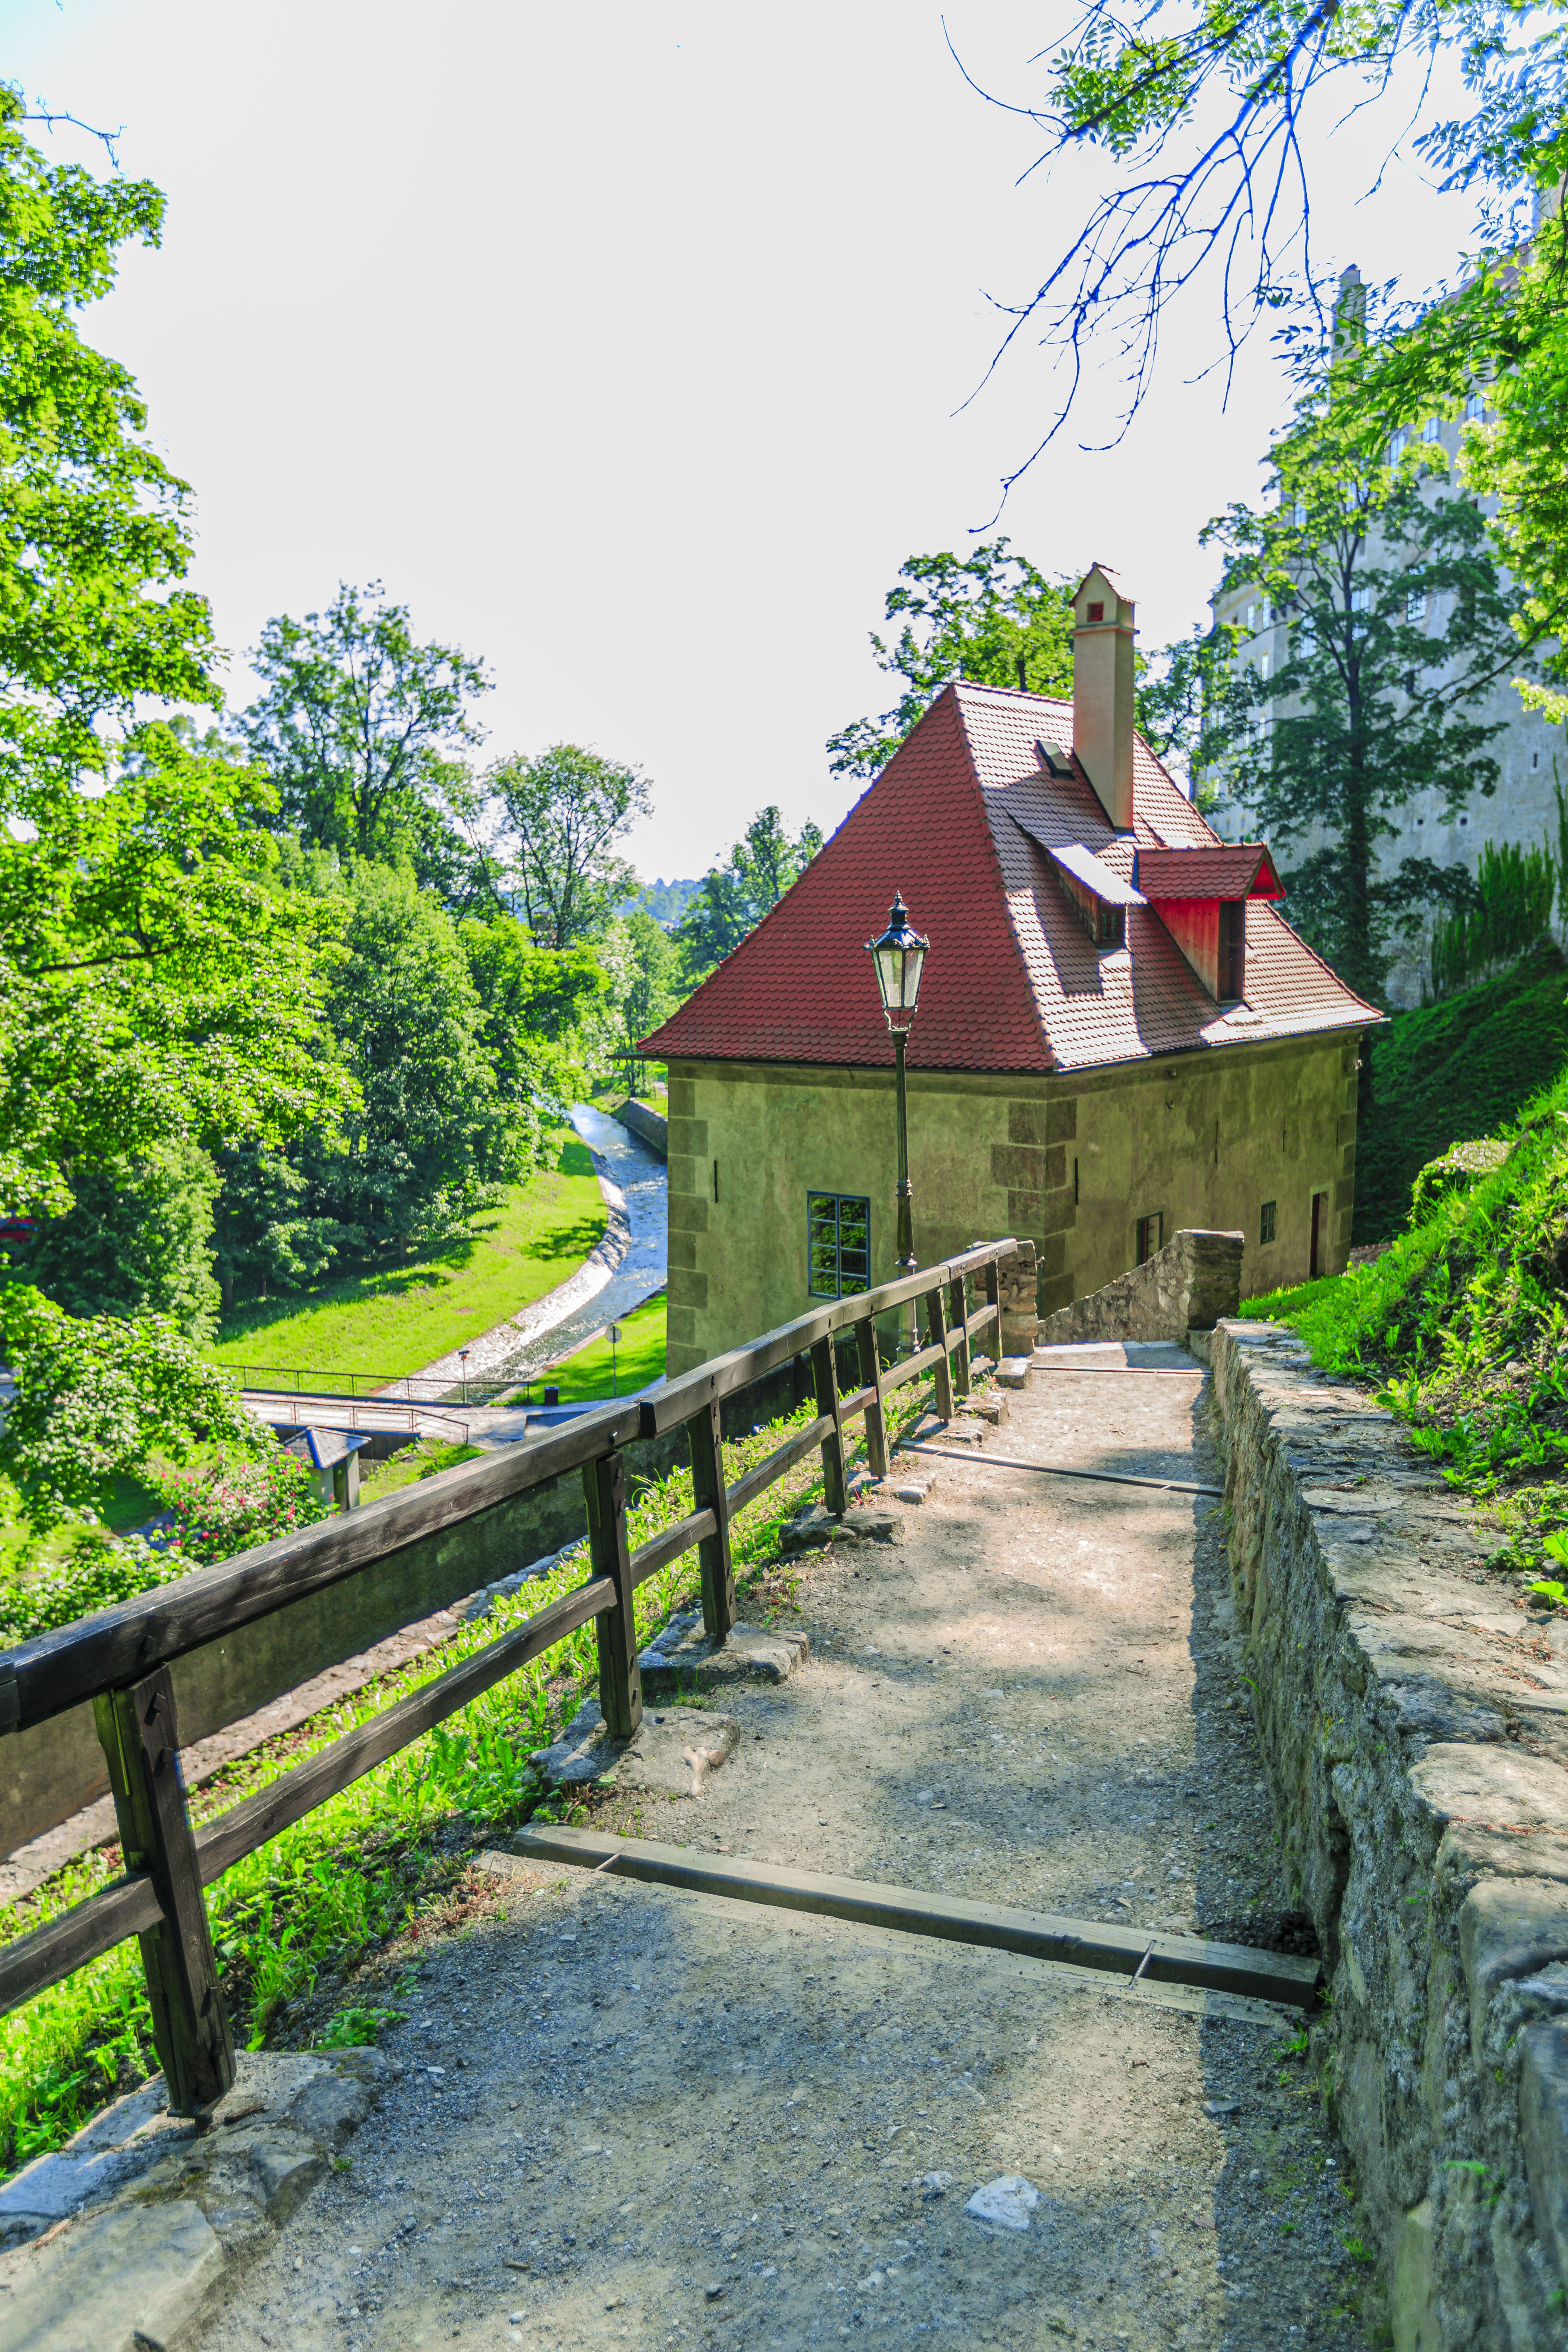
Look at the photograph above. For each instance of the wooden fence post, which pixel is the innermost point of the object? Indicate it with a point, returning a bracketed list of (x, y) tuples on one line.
[(942, 1370), (706, 1434), (958, 1308), (825, 1372), (191, 2031), (876, 1413), (620, 1681), (994, 1300)]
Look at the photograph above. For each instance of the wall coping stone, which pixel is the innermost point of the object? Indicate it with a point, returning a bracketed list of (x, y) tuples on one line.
[(1414, 1717)]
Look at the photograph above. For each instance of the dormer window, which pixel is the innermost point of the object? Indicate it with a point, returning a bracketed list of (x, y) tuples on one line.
[(1200, 895), (1096, 893)]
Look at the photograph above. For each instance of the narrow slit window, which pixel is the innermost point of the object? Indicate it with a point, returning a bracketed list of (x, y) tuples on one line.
[(1151, 1236), (1232, 951), (838, 1245), (1266, 1216)]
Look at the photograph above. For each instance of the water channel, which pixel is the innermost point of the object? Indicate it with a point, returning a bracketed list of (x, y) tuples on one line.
[(638, 1204)]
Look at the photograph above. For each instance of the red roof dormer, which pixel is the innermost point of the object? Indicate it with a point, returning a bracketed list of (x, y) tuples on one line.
[(1200, 895)]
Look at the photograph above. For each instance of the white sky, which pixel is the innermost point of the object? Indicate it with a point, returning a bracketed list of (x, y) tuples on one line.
[(623, 342)]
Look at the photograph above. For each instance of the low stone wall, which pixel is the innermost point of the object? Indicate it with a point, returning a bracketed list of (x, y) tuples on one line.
[(649, 1127), (1414, 1720), (1187, 1286)]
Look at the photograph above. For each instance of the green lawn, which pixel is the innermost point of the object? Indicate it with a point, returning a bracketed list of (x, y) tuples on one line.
[(395, 1321), (639, 1359)]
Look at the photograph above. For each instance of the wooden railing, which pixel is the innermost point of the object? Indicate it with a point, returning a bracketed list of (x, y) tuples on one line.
[(120, 1659)]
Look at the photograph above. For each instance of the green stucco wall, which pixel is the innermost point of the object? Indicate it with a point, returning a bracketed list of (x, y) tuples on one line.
[(1070, 1162)]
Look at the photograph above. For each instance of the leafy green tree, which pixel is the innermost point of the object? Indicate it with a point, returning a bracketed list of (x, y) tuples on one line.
[(643, 963), (101, 1398), (992, 617), (540, 1009), (1398, 624), (138, 1240), (268, 1234), (731, 900), (146, 983), (363, 732), (154, 981), (432, 1133), (567, 808)]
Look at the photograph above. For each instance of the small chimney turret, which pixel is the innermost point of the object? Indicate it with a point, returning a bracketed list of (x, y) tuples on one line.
[(1102, 691)]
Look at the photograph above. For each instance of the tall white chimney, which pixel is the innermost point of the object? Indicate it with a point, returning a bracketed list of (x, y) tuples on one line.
[(1102, 691)]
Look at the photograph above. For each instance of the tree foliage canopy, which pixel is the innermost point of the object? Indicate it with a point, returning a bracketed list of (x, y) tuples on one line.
[(363, 731), (1216, 122), (1398, 624), (568, 807), (732, 899), (992, 617)]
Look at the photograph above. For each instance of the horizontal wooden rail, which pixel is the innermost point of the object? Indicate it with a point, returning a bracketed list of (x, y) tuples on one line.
[(119, 1659)]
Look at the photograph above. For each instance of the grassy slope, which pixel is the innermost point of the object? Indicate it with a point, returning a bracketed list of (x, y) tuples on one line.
[(1462, 1329), (638, 1359), (395, 1321), (1451, 1072)]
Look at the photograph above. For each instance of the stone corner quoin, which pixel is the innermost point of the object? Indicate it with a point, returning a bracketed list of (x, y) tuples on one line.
[(1415, 1724)]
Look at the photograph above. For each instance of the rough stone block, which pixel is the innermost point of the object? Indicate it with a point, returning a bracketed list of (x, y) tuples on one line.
[(1414, 2311), (684, 1657), (122, 2281), (658, 1756), (1013, 1371), (1543, 2128), (1491, 1787), (1508, 1929)]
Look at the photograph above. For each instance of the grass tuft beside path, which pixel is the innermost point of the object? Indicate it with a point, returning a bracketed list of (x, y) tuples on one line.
[(398, 1319)]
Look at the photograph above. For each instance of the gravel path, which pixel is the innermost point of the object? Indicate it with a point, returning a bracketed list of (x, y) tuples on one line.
[(634, 2116)]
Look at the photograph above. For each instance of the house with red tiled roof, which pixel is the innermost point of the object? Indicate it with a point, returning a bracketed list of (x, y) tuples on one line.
[(1118, 1033)]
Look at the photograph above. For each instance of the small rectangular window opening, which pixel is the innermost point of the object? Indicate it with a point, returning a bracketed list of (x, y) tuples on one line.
[(1232, 976), (715, 1180), (1075, 1183), (1151, 1236), (838, 1245), (1105, 924), (1097, 612), (1265, 1221)]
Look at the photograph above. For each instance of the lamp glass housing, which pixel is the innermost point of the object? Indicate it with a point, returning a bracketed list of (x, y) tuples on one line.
[(898, 956)]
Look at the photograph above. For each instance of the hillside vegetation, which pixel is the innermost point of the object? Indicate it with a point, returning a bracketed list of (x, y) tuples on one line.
[(1462, 1327), (1453, 1071)]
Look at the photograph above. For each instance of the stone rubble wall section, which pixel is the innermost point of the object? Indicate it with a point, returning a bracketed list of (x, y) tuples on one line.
[(1415, 1722), (1188, 1285)]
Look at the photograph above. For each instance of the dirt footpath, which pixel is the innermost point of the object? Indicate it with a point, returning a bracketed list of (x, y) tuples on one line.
[(633, 2116)]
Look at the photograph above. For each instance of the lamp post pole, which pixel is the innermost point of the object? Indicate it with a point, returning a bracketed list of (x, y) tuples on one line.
[(898, 955)]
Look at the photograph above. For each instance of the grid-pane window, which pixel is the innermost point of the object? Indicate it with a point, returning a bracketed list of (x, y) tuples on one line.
[(1151, 1236), (1265, 1221), (838, 1245)]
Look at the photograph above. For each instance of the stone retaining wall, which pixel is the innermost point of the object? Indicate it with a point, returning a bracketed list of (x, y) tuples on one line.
[(649, 1125), (1414, 1718), (1187, 1286)]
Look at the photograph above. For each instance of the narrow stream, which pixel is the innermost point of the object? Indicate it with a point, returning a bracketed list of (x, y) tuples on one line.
[(639, 1179)]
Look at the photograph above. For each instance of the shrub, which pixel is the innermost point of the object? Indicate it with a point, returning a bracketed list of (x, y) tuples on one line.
[(241, 1501)]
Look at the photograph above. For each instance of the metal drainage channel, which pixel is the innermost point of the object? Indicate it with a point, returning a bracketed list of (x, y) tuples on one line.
[(1083, 1946)]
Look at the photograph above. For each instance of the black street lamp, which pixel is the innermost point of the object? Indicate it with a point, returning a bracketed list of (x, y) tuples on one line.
[(898, 955)]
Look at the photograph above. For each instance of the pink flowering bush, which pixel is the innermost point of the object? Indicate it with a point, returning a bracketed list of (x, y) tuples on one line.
[(237, 1501)]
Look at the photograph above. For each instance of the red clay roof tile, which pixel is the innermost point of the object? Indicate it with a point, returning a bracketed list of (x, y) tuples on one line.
[(960, 820)]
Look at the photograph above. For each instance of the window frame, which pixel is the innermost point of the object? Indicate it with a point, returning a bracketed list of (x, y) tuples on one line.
[(1143, 1251), (840, 1201), (1267, 1224)]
